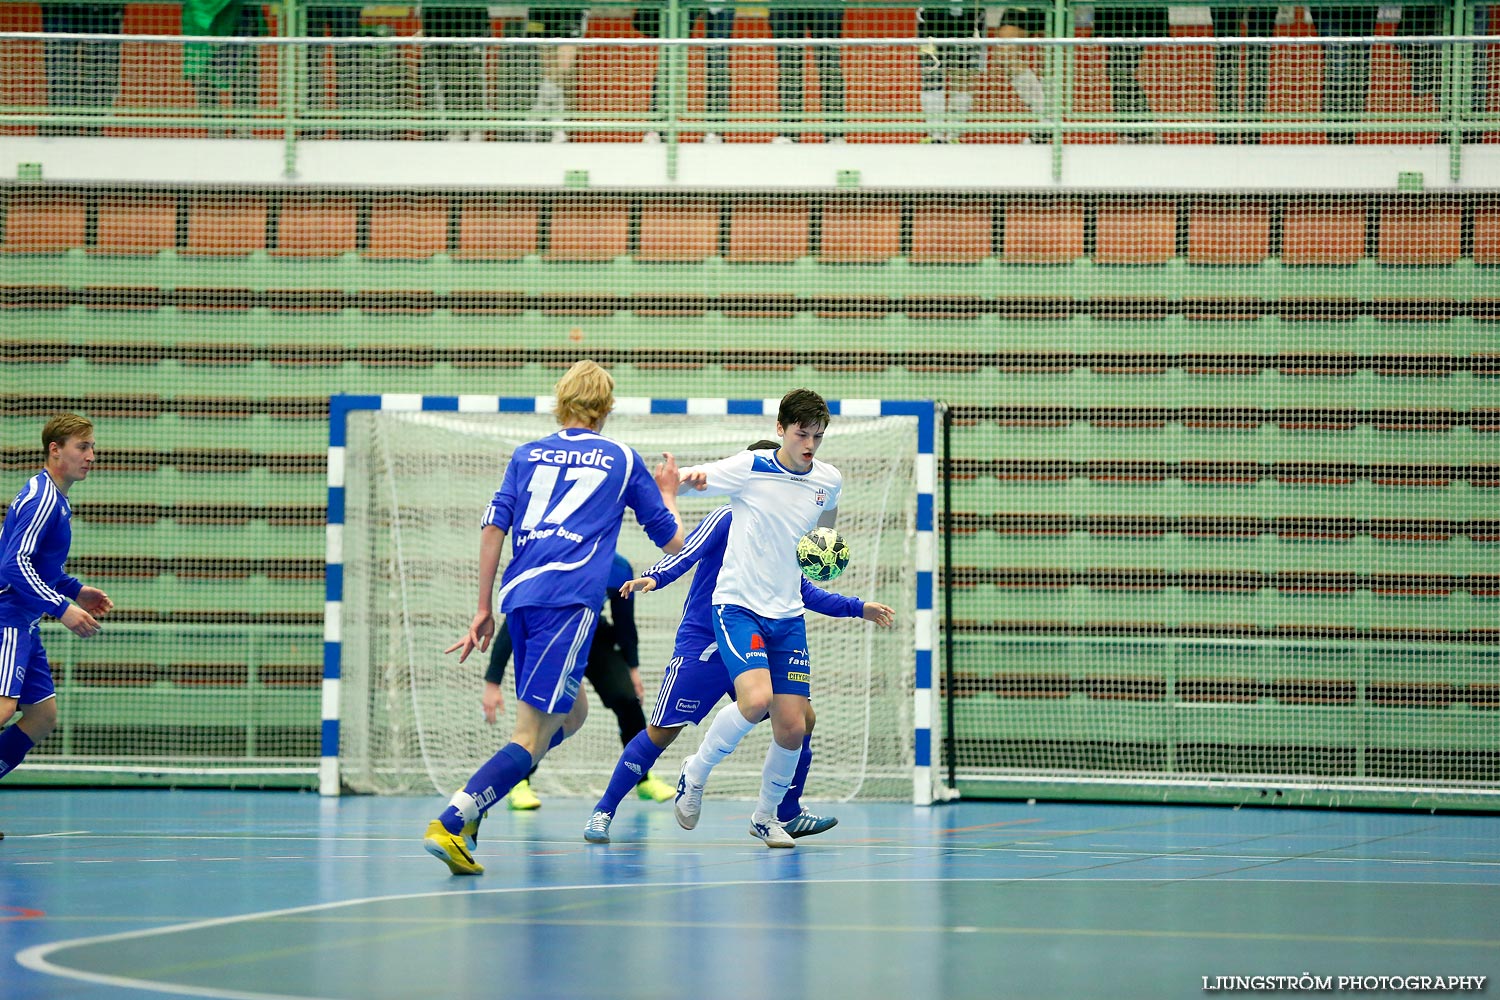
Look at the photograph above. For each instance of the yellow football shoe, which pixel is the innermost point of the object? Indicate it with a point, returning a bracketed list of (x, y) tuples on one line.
[(449, 848)]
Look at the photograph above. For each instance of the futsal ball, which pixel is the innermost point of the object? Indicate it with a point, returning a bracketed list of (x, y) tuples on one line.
[(822, 553)]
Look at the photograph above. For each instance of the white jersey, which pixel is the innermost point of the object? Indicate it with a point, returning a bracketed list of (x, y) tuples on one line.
[(773, 507)]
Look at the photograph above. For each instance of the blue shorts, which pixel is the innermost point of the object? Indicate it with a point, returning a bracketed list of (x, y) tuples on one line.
[(694, 682), (25, 674), (551, 652), (748, 641)]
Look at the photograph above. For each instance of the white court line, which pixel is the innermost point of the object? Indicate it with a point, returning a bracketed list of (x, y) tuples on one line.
[(35, 958), (44, 836)]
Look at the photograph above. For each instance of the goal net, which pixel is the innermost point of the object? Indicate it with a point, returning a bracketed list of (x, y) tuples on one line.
[(415, 485)]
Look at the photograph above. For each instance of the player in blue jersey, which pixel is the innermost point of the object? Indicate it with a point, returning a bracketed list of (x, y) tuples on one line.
[(776, 497), (613, 671), (696, 678), (33, 548), (561, 501)]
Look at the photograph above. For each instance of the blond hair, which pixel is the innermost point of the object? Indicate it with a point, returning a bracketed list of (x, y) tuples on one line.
[(62, 427), (585, 395)]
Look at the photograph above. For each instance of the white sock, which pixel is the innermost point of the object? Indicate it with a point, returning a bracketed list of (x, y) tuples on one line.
[(1031, 92), (724, 734), (465, 804), (776, 778)]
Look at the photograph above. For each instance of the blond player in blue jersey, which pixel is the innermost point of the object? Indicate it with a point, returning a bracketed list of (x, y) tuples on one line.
[(561, 503), (34, 543), (776, 497)]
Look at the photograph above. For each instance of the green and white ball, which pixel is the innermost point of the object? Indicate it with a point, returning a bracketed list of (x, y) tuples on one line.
[(822, 553)]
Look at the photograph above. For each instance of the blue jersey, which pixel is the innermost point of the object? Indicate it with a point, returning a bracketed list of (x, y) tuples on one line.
[(33, 547), (561, 502), (704, 547)]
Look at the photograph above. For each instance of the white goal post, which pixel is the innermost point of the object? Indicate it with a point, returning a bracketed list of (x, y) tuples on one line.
[(409, 476)]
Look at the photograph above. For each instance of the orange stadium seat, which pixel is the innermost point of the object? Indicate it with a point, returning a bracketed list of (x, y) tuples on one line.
[(612, 79), (588, 227), (408, 227), (45, 221), (768, 230), (1233, 231), (949, 230), (679, 230), (1045, 230), (882, 80), (135, 223), (151, 74), (225, 225), (1135, 231), (1487, 234), (1419, 231), (23, 76), (1294, 79), (497, 228), (860, 230), (1323, 231), (316, 225), (1179, 80)]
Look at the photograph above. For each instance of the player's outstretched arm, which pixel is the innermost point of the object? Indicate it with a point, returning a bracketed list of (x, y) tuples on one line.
[(640, 585), (94, 601), (879, 614)]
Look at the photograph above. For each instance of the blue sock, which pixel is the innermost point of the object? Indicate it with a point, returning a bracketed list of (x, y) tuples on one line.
[(637, 758), (494, 778), (792, 804), (13, 746)]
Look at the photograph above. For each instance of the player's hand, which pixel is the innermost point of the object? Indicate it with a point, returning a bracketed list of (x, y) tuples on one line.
[(667, 474), (493, 701), (635, 681), (642, 584), (481, 631), (94, 601), (695, 480), (80, 622), (879, 614)]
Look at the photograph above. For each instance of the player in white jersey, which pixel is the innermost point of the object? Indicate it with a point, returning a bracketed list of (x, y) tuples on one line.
[(776, 497), (561, 502)]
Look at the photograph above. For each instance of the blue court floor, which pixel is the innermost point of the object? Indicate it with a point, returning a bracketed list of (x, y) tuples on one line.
[(106, 895)]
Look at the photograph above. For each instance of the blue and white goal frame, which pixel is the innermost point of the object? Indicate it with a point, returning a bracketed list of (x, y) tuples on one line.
[(926, 413)]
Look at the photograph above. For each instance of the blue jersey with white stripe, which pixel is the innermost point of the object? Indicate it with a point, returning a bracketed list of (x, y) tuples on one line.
[(561, 502), (34, 546), (704, 547)]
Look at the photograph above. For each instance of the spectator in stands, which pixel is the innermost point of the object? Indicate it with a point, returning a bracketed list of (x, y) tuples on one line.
[(1122, 61), (808, 22), (454, 74), (1232, 22), (1346, 68), (332, 21), (557, 63), (217, 71), (949, 72), (718, 23), (81, 75)]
